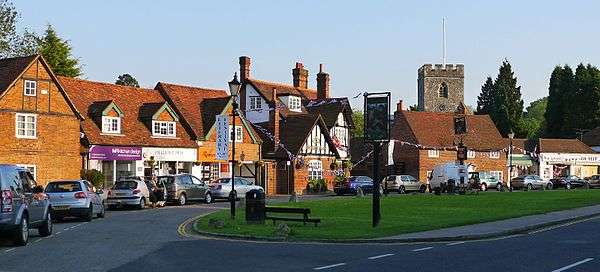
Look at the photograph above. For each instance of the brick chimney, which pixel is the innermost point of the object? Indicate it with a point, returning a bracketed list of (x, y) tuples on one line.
[(399, 106), (244, 68), (322, 83), (274, 119), (300, 76)]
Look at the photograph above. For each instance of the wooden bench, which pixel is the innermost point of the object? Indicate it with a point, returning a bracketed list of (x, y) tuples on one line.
[(304, 211)]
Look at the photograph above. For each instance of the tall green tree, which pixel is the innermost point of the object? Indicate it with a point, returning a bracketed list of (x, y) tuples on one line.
[(561, 91), (509, 104), (127, 80), (359, 123), (485, 100), (585, 106), (8, 28), (57, 53)]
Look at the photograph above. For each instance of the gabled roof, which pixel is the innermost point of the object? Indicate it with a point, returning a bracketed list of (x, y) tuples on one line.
[(11, 69), (436, 130), (330, 108), (563, 146), (265, 88), (138, 106)]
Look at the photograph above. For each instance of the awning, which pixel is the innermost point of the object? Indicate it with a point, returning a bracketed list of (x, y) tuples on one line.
[(522, 160)]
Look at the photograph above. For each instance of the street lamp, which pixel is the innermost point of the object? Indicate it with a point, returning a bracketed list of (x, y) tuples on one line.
[(511, 136), (234, 89)]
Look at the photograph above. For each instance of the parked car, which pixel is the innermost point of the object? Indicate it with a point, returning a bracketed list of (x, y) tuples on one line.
[(530, 182), (352, 183), (184, 187), (402, 184), (445, 177), (131, 192), (594, 181), (570, 181), (23, 205), (221, 188), (76, 198), (486, 180)]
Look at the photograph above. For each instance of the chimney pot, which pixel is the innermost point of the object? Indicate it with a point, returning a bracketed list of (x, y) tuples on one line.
[(322, 83), (300, 76), (245, 63), (399, 106)]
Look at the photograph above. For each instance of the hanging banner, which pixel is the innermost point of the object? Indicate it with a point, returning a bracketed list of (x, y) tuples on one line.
[(222, 147), (377, 117)]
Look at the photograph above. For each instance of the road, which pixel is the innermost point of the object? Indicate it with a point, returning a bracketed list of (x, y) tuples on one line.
[(148, 240)]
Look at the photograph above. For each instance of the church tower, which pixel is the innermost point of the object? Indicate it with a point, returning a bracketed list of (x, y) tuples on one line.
[(441, 87)]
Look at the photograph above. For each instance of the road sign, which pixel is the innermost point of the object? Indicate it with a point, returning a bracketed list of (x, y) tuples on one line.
[(222, 138)]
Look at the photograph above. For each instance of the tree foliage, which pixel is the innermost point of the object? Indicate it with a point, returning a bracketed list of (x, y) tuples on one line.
[(533, 119), (359, 123), (485, 99), (57, 53), (127, 80)]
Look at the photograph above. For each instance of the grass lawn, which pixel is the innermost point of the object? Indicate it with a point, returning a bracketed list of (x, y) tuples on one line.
[(350, 217)]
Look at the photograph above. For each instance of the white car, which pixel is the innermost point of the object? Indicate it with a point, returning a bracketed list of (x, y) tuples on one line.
[(446, 177), (221, 188)]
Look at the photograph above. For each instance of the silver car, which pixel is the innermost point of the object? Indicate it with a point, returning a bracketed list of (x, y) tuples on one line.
[(76, 198), (402, 184), (130, 192), (530, 182), (222, 187)]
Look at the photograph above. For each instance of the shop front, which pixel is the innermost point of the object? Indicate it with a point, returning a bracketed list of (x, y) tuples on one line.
[(116, 162), (247, 155), (553, 165), (168, 161)]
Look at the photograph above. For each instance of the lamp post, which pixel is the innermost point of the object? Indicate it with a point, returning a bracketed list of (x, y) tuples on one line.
[(234, 89), (511, 135)]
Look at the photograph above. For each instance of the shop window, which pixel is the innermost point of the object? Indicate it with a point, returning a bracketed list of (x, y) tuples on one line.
[(26, 125), (111, 124), (433, 153), (30, 88), (163, 128), (315, 169), (215, 171), (494, 154)]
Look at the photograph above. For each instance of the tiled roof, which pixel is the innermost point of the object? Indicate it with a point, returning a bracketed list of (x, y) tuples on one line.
[(330, 108), (11, 68), (135, 104), (563, 146), (266, 89), (191, 103), (436, 130), (592, 137), (211, 107)]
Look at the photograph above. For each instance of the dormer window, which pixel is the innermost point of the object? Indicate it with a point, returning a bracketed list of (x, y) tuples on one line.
[(111, 124), (255, 103), (294, 103), (30, 88), (163, 128)]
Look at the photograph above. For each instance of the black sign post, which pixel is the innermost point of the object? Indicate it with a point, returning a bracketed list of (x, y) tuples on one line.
[(460, 129), (376, 132)]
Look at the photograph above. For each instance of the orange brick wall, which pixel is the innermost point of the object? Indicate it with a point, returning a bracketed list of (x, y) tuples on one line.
[(55, 151)]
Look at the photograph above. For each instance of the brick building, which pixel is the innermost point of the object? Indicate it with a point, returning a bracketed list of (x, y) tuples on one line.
[(298, 143), (130, 131), (40, 125), (426, 139), (198, 108)]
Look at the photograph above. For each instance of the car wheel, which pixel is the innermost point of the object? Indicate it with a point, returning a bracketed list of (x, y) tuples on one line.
[(549, 186), (21, 234), (499, 187), (568, 186), (102, 212), (529, 187), (182, 199), (90, 214), (46, 229), (437, 191), (208, 198), (142, 204), (422, 189), (401, 189), (483, 187)]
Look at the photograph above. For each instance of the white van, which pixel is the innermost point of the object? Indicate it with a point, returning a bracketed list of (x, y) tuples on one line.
[(448, 175)]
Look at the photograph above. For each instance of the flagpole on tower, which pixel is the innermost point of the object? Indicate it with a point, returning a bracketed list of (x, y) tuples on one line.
[(444, 41)]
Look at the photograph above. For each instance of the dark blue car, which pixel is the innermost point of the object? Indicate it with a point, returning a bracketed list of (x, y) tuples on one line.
[(352, 183)]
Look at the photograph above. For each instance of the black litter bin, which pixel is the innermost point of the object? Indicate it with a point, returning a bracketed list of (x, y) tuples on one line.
[(255, 206)]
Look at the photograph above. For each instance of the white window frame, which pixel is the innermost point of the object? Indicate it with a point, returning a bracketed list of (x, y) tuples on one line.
[(32, 168), (169, 126), (30, 88), (315, 169), (255, 103), (295, 103), (471, 154), (494, 154), (25, 129), (239, 136), (433, 153), (108, 125)]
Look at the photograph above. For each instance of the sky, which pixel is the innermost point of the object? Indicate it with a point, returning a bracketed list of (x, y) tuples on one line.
[(369, 46)]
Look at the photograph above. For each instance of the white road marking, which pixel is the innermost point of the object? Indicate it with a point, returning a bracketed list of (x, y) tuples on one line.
[(9, 250), (329, 266), (66, 229), (421, 249), (58, 233), (573, 265), (456, 243), (380, 256), (562, 225), (37, 240)]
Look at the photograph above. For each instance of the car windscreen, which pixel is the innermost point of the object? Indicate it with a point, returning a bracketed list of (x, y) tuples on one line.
[(63, 187), (164, 180), (124, 185), (391, 178), (223, 181)]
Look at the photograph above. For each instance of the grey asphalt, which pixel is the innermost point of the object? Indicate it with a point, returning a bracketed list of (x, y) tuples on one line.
[(148, 241)]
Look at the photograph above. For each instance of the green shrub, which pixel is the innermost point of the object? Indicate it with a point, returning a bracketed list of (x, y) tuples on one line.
[(94, 176)]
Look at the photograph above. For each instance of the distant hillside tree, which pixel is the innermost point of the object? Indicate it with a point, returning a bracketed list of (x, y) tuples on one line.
[(127, 80)]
